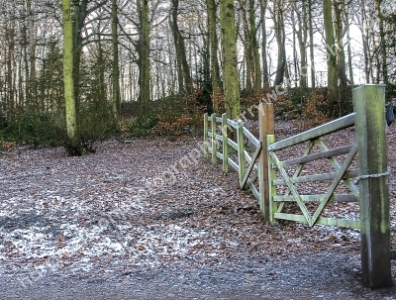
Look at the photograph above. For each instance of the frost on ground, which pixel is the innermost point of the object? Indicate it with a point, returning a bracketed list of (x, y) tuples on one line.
[(95, 214)]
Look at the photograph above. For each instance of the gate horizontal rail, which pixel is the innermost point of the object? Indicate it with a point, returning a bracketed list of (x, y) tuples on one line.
[(327, 128)]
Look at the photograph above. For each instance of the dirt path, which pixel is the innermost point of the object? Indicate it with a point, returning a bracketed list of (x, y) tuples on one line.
[(89, 228), (323, 275)]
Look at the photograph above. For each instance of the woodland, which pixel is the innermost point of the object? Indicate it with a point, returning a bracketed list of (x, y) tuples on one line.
[(77, 72), (98, 98)]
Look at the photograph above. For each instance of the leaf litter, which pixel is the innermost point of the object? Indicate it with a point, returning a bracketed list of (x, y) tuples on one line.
[(95, 214)]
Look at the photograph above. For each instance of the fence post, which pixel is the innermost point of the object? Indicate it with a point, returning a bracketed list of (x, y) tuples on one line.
[(214, 140), (241, 152), (266, 120), (272, 205), (369, 105), (224, 130), (206, 153)]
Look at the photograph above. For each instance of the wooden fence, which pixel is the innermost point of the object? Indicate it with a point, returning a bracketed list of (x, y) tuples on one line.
[(264, 172)]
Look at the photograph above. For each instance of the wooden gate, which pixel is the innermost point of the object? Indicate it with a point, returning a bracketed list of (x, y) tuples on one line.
[(340, 173), (366, 177)]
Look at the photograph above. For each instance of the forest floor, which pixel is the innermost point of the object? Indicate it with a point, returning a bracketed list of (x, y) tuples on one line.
[(89, 228)]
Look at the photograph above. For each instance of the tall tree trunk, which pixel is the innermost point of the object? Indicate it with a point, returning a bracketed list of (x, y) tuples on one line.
[(311, 45), (10, 38), (131, 89), (248, 59), (350, 65), (263, 9), (254, 47), (78, 14), (144, 57), (228, 46), (253, 70), (68, 58), (372, 55), (378, 67), (32, 52), (178, 60), (41, 88), (116, 68), (101, 69), (332, 90), (21, 100), (280, 40), (365, 40), (339, 29), (302, 35), (213, 41), (24, 45), (294, 52), (180, 50), (384, 65)]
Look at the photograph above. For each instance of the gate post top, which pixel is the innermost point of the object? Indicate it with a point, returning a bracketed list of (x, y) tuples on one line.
[(368, 94), (266, 113), (369, 85), (266, 103), (369, 105)]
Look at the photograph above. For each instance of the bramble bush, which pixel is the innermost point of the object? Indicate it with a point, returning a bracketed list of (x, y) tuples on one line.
[(180, 114)]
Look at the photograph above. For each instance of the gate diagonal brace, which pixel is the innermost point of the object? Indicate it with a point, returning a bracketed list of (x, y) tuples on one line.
[(351, 185), (292, 189), (297, 172), (334, 184), (251, 166)]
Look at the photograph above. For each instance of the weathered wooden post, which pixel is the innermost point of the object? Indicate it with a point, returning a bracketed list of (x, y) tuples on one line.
[(369, 105), (241, 151), (206, 153), (214, 140), (224, 130), (266, 119)]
